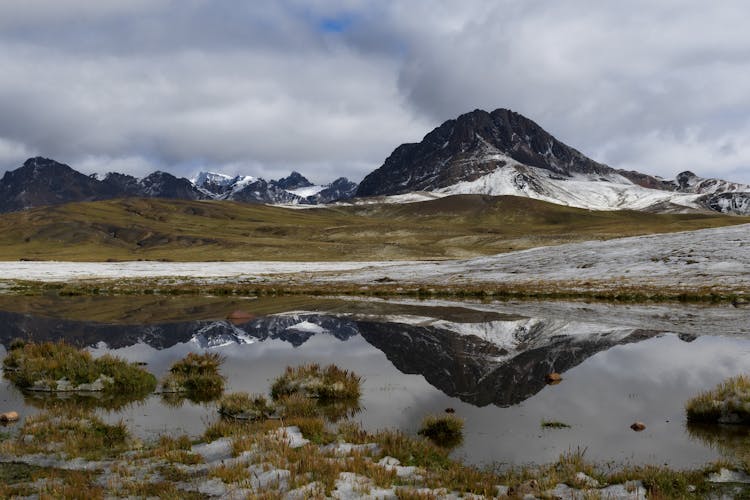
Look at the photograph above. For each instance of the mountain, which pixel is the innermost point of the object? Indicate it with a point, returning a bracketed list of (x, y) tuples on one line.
[(294, 181), (45, 182), (42, 181), (295, 189), (164, 185), (505, 153)]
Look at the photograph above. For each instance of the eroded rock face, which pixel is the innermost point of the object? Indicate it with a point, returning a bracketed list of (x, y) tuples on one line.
[(737, 203)]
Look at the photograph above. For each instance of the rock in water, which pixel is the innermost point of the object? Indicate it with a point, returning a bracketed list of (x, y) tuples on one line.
[(638, 426), (9, 416)]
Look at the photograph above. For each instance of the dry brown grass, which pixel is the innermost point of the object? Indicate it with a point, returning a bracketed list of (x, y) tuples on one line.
[(728, 402), (454, 227), (76, 433)]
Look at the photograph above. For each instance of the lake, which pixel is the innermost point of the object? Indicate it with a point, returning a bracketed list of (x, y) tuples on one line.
[(485, 360)]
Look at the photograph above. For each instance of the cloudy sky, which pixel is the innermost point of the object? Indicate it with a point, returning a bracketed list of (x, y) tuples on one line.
[(330, 88)]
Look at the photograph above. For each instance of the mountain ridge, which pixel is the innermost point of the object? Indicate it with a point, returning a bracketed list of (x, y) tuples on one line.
[(486, 153), (504, 153), (43, 181)]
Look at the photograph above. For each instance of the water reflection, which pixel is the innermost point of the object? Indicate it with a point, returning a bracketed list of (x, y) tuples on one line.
[(488, 361), (732, 441), (500, 362)]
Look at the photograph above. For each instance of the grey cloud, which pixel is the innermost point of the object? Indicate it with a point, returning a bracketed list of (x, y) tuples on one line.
[(228, 85)]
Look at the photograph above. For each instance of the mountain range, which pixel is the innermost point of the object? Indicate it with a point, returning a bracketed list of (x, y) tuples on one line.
[(42, 181), (490, 153)]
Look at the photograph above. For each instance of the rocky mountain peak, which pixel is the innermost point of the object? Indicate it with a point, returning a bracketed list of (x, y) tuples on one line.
[(295, 180), (471, 146)]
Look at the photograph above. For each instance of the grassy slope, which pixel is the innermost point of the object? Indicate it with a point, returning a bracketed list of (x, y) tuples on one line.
[(458, 226)]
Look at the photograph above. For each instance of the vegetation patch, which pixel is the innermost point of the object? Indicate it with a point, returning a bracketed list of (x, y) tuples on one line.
[(554, 424), (196, 376), (727, 403), (453, 227), (326, 384), (59, 367), (74, 433), (243, 406), (444, 430)]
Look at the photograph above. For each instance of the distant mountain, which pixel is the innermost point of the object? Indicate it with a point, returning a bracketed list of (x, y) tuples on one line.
[(42, 181), (295, 189), (45, 182), (505, 153)]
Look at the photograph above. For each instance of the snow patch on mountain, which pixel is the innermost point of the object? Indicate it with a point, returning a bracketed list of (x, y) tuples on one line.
[(589, 191), (304, 192), (516, 334)]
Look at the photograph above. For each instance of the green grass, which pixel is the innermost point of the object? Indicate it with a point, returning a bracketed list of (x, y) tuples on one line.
[(40, 366), (452, 227), (444, 430), (554, 424), (196, 376), (729, 402), (326, 384)]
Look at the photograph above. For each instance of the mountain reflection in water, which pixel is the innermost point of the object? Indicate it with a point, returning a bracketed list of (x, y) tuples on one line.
[(501, 362)]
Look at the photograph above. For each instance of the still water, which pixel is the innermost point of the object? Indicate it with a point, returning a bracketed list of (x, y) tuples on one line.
[(487, 361)]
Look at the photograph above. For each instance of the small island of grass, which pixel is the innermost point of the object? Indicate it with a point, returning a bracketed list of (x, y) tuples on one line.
[(196, 376), (443, 430), (59, 367), (325, 384), (727, 403), (244, 406)]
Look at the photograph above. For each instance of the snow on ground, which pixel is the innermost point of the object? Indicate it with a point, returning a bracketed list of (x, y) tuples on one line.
[(708, 257), (210, 271), (719, 256), (693, 319)]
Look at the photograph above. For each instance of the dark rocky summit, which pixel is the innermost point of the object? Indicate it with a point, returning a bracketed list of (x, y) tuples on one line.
[(480, 143), (41, 181), (471, 146)]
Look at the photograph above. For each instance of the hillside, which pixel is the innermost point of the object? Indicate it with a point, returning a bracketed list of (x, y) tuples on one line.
[(451, 227)]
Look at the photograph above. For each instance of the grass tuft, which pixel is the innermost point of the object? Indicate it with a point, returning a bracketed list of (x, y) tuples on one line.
[(443, 430), (554, 424), (326, 384), (243, 406), (51, 367), (196, 376), (728, 403)]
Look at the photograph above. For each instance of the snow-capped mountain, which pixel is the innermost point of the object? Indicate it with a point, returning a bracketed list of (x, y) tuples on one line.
[(42, 181), (505, 153), (292, 190), (497, 153)]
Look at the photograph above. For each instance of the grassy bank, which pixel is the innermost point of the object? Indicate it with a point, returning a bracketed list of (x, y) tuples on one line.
[(604, 290), (453, 227)]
